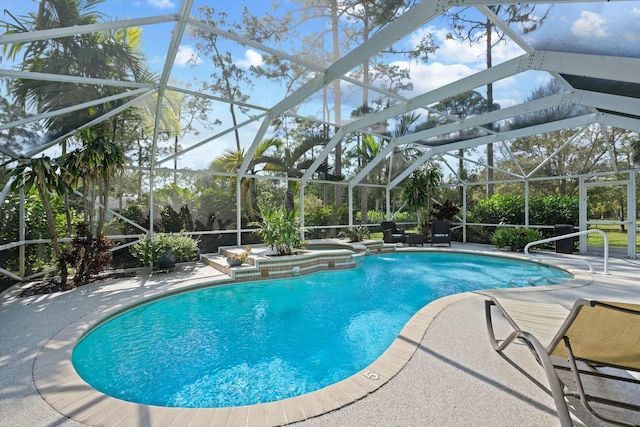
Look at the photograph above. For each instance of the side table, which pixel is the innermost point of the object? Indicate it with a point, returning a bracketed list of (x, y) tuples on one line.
[(415, 239)]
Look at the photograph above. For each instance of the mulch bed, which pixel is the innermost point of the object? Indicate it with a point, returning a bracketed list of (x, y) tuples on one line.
[(42, 287)]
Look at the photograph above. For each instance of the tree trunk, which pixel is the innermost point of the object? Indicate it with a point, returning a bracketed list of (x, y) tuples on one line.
[(364, 204), (337, 97), (67, 204), (44, 194), (461, 171), (104, 196)]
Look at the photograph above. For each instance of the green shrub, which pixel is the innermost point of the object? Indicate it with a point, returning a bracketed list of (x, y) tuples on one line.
[(509, 209), (325, 215), (498, 209), (134, 212), (516, 238), (551, 210), (174, 222), (183, 248), (374, 217)]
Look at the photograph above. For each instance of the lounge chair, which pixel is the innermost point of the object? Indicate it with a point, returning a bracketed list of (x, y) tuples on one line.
[(590, 336), (391, 233), (440, 232)]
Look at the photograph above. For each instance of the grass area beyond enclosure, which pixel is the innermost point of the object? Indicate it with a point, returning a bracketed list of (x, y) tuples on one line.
[(617, 238)]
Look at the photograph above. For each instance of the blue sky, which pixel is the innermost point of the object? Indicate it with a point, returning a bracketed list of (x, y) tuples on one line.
[(602, 28)]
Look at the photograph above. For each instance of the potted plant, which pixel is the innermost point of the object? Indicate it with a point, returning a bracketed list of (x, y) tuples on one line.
[(237, 259)]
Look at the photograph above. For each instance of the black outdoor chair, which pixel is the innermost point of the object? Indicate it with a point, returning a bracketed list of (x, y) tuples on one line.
[(440, 232), (391, 233)]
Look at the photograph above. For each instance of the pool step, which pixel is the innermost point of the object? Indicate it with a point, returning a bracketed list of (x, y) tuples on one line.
[(261, 265), (219, 262)]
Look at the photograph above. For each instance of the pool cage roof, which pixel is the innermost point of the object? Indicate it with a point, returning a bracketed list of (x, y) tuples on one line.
[(320, 67)]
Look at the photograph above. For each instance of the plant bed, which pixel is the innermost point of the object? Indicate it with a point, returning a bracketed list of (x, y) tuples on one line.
[(49, 286)]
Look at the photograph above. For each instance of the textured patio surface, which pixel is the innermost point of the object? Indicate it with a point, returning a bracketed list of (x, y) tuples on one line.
[(454, 377)]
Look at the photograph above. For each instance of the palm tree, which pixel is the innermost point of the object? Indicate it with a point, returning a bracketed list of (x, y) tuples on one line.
[(231, 160), (418, 190), (293, 163), (370, 148), (43, 172), (95, 165), (114, 54), (366, 151)]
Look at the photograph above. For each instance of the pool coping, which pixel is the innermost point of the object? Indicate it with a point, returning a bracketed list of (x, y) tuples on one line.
[(63, 389)]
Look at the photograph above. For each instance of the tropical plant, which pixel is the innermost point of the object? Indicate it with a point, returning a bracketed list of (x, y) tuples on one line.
[(293, 162), (32, 213), (174, 222), (87, 254), (280, 230), (358, 233), (113, 54), (43, 174), (94, 166), (418, 192), (445, 211), (231, 160), (368, 149)]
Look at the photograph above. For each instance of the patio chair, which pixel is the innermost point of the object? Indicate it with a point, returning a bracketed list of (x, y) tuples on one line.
[(440, 232), (391, 233), (591, 336)]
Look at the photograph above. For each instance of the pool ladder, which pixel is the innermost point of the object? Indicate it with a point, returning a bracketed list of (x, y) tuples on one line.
[(576, 234)]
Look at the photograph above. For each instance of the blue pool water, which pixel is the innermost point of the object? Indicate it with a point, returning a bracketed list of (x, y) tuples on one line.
[(263, 341)]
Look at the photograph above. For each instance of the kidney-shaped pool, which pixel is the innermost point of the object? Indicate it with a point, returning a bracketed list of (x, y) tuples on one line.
[(257, 342)]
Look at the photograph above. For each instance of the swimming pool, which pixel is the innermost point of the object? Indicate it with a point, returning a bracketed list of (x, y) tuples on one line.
[(263, 341)]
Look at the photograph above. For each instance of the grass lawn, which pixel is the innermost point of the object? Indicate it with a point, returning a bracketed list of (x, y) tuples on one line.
[(616, 237)]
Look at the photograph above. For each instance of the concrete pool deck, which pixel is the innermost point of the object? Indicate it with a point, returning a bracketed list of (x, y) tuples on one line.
[(452, 378)]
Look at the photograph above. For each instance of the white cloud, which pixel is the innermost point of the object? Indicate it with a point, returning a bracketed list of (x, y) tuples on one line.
[(452, 51), (635, 11), (427, 77), (455, 60), (162, 4), (186, 55), (251, 58), (590, 24)]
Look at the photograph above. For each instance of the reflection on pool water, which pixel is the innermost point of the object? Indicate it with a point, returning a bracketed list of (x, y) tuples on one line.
[(258, 342)]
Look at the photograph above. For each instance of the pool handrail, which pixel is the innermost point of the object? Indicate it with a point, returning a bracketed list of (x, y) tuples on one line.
[(576, 234)]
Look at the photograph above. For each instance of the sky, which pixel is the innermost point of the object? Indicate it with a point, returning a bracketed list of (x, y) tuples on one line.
[(600, 28)]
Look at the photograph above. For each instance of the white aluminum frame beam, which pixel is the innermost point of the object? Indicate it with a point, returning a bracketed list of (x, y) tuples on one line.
[(55, 33), (405, 24)]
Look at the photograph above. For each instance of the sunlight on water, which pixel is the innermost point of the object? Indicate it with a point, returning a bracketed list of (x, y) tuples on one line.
[(263, 341)]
